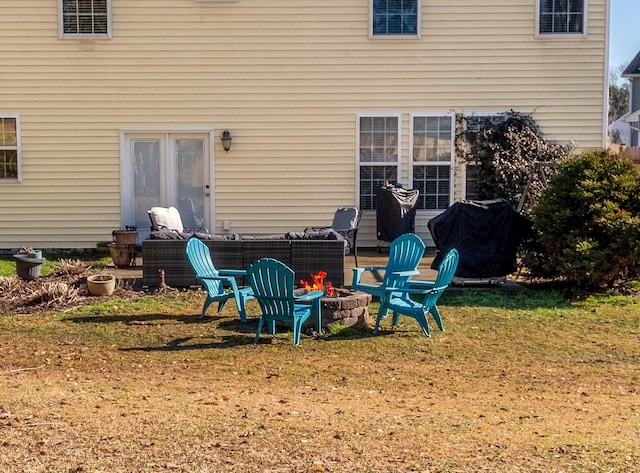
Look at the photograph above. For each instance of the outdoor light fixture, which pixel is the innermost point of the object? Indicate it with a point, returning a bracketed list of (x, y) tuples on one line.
[(226, 140)]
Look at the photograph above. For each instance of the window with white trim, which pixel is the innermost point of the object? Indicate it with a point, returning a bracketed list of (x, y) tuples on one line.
[(477, 124), (432, 160), (561, 16), (10, 148), (395, 17), (378, 155), (85, 18)]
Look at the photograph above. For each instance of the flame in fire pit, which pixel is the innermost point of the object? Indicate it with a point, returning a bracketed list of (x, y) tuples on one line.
[(319, 284)]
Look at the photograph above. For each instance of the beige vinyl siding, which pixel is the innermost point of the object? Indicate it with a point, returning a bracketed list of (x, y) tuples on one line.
[(288, 78)]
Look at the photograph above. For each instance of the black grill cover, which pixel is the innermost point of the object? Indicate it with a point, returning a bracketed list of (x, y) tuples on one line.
[(485, 233), (395, 212)]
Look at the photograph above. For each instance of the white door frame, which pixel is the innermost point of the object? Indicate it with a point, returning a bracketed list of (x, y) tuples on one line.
[(166, 136)]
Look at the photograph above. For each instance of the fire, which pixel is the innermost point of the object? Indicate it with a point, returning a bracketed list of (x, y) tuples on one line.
[(319, 284)]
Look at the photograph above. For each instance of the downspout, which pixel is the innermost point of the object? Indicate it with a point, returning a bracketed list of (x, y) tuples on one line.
[(605, 107)]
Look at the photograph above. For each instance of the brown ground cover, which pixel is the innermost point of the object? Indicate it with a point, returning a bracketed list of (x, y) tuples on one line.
[(517, 383)]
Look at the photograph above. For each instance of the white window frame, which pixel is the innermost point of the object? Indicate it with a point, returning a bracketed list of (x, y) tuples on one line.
[(540, 34), (450, 162), (63, 35), (418, 34), (359, 164), (18, 148)]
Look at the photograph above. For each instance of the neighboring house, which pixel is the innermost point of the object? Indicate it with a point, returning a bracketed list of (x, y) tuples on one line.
[(109, 107), (620, 132), (632, 72)]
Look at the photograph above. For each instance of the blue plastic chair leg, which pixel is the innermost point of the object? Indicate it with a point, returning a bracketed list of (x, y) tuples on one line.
[(240, 305), (297, 327), (424, 323), (382, 312), (258, 330), (436, 316), (208, 301)]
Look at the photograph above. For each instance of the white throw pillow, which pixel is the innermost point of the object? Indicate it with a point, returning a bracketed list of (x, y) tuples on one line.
[(168, 218)]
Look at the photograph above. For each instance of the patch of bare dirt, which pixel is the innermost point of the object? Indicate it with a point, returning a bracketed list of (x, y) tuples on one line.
[(500, 391), (66, 288)]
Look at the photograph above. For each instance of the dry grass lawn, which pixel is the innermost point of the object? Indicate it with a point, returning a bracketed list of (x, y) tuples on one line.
[(518, 382)]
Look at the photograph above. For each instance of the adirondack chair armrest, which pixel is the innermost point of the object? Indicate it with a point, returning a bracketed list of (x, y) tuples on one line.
[(227, 279), (310, 296), (232, 272), (357, 273), (421, 284), (412, 272), (368, 268), (409, 290)]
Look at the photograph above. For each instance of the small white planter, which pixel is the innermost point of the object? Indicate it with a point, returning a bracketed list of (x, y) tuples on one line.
[(101, 284)]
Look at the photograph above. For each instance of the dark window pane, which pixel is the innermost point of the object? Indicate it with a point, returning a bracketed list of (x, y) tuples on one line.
[(378, 139), (561, 16), (9, 141), (395, 17), (8, 164), (84, 6), (471, 182), (85, 17), (86, 25), (100, 25), (373, 178), (434, 184)]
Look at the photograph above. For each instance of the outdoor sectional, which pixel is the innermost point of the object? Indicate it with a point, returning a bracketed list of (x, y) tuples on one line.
[(304, 253)]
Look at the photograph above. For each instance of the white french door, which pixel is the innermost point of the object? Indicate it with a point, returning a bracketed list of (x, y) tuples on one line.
[(166, 169)]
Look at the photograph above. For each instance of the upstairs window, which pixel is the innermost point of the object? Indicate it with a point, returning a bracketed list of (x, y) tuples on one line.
[(378, 155), (395, 17), (9, 148), (561, 16), (86, 18)]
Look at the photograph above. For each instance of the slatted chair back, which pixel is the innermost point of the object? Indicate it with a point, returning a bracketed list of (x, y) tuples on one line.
[(272, 284), (199, 258), (405, 254)]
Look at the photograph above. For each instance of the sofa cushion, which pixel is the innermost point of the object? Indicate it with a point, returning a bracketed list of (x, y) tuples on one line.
[(326, 234), (163, 218)]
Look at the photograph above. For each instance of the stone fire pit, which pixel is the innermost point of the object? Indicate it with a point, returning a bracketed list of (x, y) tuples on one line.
[(348, 308)]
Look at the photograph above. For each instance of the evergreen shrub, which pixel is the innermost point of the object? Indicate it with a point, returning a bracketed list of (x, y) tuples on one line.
[(587, 222)]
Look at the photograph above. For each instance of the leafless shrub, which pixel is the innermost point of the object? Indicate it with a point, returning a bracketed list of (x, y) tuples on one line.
[(11, 285), (72, 267), (54, 293)]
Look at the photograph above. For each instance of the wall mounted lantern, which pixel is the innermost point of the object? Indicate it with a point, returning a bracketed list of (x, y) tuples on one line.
[(226, 140)]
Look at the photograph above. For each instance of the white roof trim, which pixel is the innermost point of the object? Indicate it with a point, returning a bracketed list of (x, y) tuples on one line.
[(633, 119)]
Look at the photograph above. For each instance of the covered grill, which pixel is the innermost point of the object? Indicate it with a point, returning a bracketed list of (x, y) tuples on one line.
[(395, 212), (485, 233)]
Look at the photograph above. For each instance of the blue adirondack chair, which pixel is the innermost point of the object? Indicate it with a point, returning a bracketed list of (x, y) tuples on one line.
[(214, 280), (272, 284), (405, 254), (418, 298)]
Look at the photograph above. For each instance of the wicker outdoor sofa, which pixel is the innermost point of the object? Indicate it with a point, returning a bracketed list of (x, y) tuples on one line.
[(304, 255), (304, 252)]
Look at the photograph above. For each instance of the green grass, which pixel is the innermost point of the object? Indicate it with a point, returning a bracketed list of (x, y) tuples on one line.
[(8, 265)]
